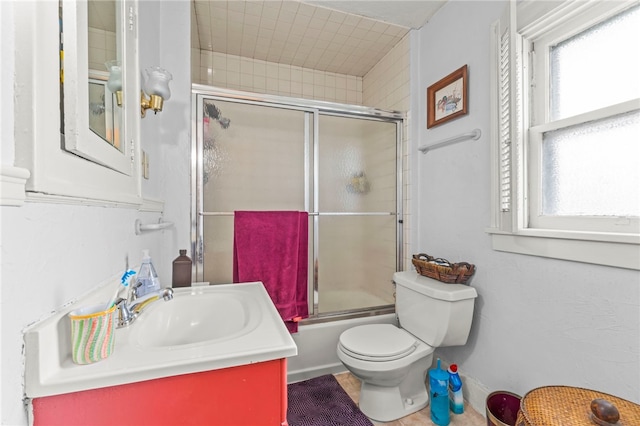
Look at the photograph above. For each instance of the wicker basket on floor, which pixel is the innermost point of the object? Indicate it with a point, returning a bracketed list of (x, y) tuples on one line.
[(565, 405), (442, 270)]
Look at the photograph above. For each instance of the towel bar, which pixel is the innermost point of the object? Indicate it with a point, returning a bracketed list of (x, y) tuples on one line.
[(140, 228)]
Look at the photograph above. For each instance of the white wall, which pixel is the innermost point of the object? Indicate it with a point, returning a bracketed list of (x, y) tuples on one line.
[(52, 253), (174, 172), (167, 134), (6, 83), (538, 321)]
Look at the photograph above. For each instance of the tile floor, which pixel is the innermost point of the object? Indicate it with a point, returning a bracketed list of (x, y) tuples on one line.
[(470, 417)]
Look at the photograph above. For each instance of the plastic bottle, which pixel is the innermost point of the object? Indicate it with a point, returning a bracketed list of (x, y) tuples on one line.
[(456, 401), (181, 270), (147, 279), (439, 394)]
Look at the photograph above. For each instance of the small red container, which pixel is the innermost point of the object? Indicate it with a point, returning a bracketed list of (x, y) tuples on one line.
[(502, 408)]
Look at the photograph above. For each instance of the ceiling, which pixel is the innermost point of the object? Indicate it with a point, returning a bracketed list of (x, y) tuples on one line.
[(405, 13), (344, 37)]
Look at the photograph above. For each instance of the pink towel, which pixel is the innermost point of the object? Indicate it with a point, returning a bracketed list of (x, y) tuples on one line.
[(272, 247)]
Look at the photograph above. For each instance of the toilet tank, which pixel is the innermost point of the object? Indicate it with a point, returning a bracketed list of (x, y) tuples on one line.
[(437, 313)]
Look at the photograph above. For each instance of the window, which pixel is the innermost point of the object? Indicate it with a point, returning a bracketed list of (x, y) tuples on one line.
[(566, 131)]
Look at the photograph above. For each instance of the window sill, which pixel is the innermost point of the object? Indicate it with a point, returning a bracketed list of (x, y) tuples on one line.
[(618, 250)]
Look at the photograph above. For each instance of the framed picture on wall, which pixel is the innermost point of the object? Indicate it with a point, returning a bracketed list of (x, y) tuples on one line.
[(447, 98)]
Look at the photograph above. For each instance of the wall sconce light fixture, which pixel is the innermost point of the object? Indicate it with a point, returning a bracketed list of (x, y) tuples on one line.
[(114, 84), (157, 88)]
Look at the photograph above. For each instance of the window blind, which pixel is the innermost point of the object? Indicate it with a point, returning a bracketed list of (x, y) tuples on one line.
[(505, 123)]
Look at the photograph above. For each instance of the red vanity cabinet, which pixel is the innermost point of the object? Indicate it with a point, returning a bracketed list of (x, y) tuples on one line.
[(247, 395)]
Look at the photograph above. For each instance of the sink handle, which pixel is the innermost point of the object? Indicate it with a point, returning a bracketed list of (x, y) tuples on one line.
[(167, 294), (125, 316)]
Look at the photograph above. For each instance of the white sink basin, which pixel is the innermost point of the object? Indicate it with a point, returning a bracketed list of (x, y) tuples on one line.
[(196, 317), (201, 329)]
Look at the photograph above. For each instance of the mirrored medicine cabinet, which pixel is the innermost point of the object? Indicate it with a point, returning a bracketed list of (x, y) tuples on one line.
[(81, 127), (95, 47)]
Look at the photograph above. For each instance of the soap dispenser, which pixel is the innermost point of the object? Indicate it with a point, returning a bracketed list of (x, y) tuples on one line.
[(181, 270), (147, 279)]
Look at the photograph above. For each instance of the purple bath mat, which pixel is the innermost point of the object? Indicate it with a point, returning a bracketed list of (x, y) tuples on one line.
[(322, 402)]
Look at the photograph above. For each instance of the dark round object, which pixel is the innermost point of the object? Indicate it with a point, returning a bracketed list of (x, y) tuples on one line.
[(605, 410)]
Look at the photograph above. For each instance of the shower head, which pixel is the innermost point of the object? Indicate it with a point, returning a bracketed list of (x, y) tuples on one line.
[(212, 111), (224, 122)]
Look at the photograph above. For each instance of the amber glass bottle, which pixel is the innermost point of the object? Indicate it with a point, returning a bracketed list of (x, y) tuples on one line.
[(181, 270)]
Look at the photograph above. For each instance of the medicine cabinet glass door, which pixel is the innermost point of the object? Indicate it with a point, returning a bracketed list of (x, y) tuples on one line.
[(91, 40)]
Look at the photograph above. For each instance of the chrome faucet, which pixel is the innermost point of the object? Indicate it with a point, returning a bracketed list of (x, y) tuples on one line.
[(129, 309)]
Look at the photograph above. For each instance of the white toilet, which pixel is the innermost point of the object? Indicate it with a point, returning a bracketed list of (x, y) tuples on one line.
[(392, 362)]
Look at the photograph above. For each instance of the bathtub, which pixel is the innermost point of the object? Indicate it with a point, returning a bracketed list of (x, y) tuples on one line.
[(317, 344)]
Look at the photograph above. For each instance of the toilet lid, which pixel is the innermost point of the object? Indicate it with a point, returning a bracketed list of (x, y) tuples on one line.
[(377, 342)]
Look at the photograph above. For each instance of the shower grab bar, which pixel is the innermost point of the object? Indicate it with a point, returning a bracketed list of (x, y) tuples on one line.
[(313, 214), (474, 134)]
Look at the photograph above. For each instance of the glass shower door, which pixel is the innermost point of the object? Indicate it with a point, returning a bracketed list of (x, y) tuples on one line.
[(253, 158), (342, 168), (356, 225)]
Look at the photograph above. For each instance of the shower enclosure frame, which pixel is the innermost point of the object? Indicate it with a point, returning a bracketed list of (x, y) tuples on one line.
[(313, 109)]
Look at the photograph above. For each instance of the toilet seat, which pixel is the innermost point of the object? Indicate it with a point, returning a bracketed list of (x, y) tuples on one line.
[(377, 342)]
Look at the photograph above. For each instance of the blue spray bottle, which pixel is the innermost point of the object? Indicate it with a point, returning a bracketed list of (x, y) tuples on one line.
[(456, 401), (439, 394)]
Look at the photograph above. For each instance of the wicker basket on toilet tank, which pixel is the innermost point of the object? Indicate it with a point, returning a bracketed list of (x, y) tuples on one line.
[(442, 270)]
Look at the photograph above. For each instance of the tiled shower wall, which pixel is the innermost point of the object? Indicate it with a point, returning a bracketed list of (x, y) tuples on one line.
[(102, 48), (235, 72), (385, 86)]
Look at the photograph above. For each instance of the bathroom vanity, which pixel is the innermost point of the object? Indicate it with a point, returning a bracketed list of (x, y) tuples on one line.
[(212, 355)]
